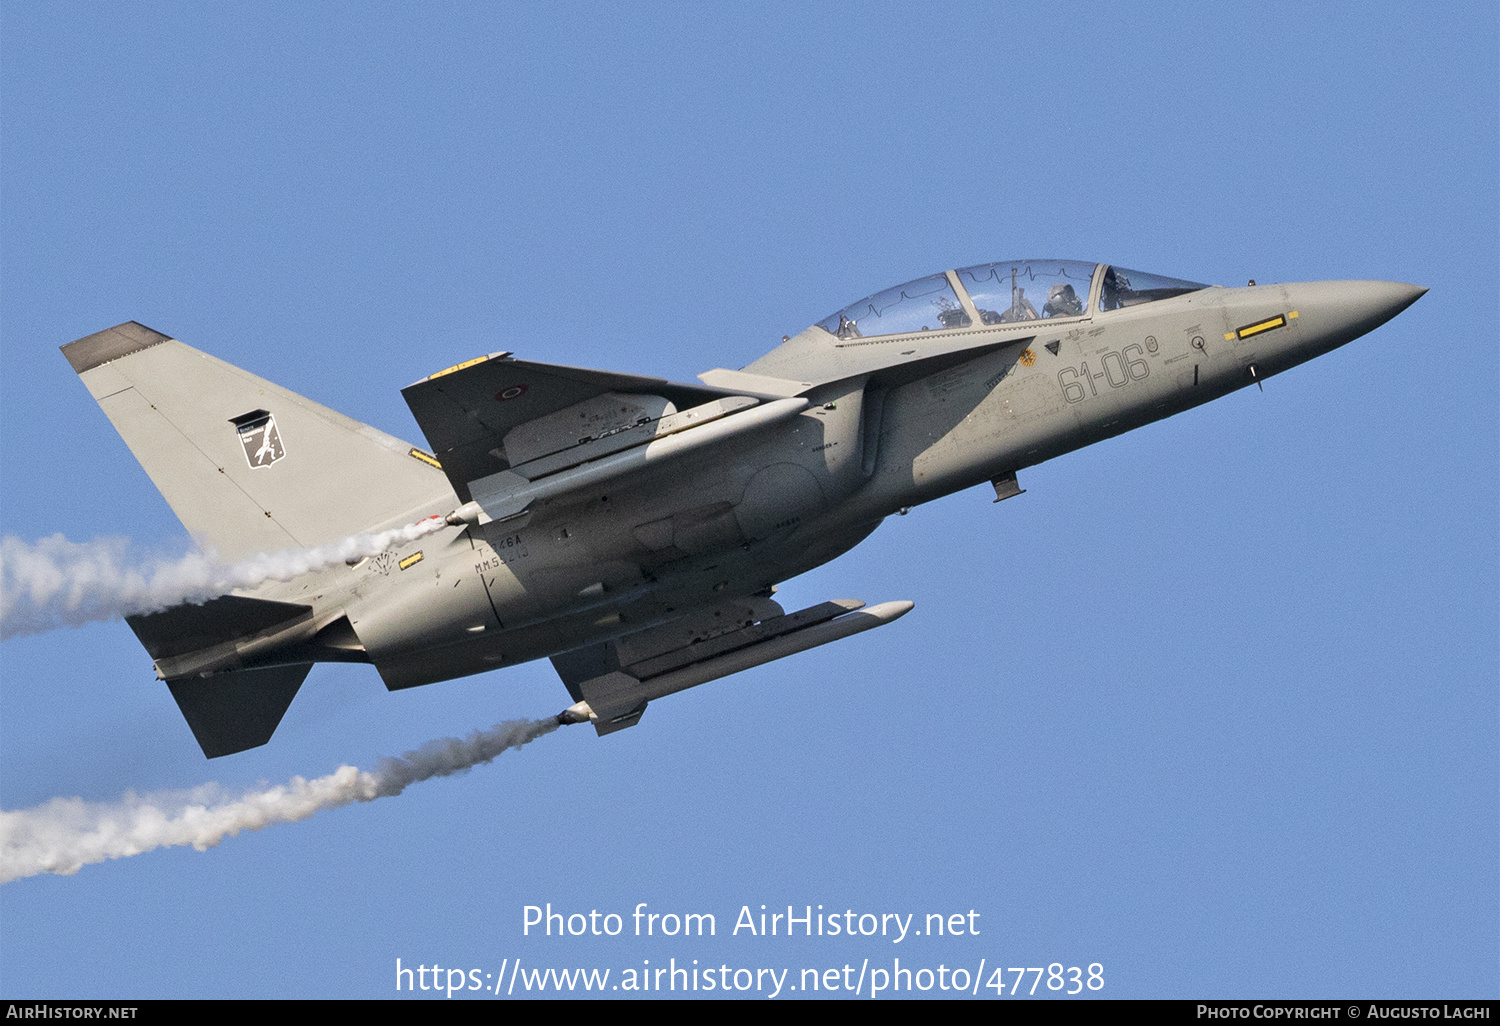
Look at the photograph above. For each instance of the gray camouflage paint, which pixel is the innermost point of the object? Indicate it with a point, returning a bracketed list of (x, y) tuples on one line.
[(890, 422)]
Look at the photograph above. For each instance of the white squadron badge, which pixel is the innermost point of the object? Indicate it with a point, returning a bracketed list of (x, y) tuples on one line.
[(259, 437)]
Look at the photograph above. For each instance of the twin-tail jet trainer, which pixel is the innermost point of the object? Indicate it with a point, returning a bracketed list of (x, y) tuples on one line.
[(632, 529)]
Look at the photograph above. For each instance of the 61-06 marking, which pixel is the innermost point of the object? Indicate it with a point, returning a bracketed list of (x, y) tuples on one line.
[(1119, 369)]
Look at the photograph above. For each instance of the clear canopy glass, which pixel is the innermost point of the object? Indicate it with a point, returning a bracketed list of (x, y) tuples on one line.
[(1124, 288), (927, 304), (1007, 292), (1028, 290)]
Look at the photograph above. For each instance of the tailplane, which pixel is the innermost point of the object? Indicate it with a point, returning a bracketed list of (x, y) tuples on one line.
[(230, 712)]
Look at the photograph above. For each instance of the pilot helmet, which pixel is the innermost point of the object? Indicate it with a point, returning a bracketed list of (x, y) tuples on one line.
[(1062, 300)]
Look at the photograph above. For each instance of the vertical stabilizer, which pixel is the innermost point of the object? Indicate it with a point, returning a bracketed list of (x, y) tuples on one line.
[(246, 465)]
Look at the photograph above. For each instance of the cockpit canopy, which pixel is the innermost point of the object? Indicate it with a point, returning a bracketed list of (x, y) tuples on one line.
[(1001, 293), (926, 304), (1121, 288), (1008, 292)]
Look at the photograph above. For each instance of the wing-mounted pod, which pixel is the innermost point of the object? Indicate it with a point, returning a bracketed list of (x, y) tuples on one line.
[(510, 433), (614, 681)]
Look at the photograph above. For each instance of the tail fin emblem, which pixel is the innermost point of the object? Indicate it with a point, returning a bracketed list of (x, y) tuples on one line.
[(259, 437)]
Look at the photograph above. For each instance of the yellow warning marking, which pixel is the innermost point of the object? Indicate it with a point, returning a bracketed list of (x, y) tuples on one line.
[(1269, 324), (458, 367), (1027, 358), (1228, 336), (418, 454), (411, 560), (1292, 315)]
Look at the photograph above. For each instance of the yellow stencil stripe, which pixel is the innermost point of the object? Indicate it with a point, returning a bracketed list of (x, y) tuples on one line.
[(418, 454), (1255, 329), (458, 367), (411, 560)]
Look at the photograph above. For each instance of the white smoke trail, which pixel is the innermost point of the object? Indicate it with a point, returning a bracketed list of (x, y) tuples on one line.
[(58, 583), (65, 834)]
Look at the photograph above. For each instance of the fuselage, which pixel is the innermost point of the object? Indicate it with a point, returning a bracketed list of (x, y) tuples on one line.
[(892, 421)]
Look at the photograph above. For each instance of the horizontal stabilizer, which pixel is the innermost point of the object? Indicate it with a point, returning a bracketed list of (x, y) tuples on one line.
[(234, 711), (468, 411), (189, 628)]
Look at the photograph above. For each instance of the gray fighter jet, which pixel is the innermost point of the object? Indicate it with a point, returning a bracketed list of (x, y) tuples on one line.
[(634, 529)]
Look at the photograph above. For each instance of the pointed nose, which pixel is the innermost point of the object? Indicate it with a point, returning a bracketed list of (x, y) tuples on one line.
[(1344, 310), (1370, 304)]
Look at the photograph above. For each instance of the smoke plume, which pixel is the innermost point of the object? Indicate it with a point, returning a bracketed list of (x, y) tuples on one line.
[(65, 834), (58, 583)]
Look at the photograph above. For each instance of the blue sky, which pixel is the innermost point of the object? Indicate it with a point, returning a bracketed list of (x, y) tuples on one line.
[(1214, 704)]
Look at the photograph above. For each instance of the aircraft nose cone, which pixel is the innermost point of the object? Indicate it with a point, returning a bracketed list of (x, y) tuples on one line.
[(1345, 310), (1382, 300)]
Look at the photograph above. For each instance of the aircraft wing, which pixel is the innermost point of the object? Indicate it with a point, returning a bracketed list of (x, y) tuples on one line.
[(497, 424)]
